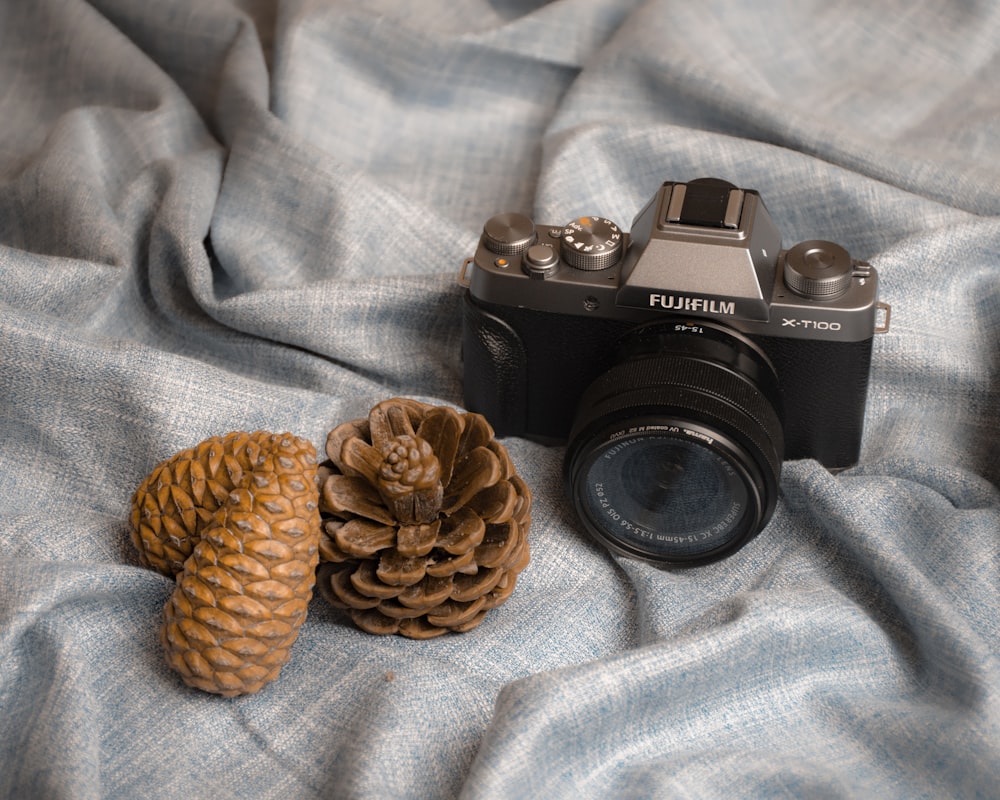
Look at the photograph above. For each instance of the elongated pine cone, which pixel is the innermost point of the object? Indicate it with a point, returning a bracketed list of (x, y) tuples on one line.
[(425, 520), (236, 520)]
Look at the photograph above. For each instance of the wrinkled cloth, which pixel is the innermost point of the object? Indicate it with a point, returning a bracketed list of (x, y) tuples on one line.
[(246, 215)]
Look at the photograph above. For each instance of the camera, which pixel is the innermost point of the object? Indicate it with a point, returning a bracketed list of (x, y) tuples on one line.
[(680, 362)]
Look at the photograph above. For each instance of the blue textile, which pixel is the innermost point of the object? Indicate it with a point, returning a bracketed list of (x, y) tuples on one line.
[(241, 214)]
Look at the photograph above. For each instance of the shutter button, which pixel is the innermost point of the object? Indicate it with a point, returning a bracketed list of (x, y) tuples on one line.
[(540, 261)]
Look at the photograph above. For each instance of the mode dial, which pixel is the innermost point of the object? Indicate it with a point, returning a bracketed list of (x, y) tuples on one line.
[(592, 243), (508, 234)]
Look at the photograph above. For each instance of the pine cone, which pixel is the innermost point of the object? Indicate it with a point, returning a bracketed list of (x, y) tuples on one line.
[(248, 558), (425, 520)]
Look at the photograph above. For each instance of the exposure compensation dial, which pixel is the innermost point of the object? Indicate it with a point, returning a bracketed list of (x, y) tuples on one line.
[(509, 234)]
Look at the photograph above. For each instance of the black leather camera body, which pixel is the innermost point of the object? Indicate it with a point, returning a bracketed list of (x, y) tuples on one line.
[(695, 340)]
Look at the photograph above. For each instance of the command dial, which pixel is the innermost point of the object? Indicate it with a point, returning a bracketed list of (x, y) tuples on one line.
[(592, 243), (818, 270), (508, 234)]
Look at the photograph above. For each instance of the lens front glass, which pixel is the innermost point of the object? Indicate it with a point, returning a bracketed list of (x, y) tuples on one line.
[(672, 495)]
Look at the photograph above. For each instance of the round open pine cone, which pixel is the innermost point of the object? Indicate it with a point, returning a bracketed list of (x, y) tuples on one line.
[(425, 520), (236, 521)]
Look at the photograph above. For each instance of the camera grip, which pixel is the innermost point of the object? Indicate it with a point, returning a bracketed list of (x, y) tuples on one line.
[(824, 388), (496, 376)]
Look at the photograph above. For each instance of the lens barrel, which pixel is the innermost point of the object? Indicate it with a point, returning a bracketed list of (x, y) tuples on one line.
[(675, 452)]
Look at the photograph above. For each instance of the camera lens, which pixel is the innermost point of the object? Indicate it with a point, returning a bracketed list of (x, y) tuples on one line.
[(676, 450)]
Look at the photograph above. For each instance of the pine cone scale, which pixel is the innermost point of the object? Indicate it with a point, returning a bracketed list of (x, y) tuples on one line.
[(478, 470), (359, 537), (461, 532), (417, 540), (427, 594), (340, 581), (441, 428), (468, 587), (464, 563), (267, 551), (345, 494), (216, 619), (396, 569), (453, 612), (269, 590), (194, 631), (373, 621), (366, 582), (396, 610)]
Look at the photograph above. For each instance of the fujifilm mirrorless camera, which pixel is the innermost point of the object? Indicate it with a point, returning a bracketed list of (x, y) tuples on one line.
[(681, 362)]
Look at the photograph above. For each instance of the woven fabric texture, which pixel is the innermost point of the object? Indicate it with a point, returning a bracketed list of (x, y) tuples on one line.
[(246, 215)]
